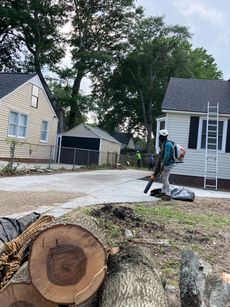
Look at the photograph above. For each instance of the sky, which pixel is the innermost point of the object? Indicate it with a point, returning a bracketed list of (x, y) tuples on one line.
[(207, 20)]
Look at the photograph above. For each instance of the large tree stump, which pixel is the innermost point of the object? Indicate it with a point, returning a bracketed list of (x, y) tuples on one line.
[(198, 287), (20, 293), (67, 264), (132, 280)]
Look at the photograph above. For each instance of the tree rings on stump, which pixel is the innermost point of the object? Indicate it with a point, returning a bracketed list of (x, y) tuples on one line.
[(23, 295), (67, 263)]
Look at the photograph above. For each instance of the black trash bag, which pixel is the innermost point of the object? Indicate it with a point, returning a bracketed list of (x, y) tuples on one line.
[(177, 193), (11, 228)]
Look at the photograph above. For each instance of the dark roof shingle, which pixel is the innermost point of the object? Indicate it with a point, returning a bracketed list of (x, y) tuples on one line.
[(10, 81), (122, 137), (192, 95)]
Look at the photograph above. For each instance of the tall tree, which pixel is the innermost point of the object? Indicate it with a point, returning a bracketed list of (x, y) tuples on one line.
[(137, 85), (146, 66), (99, 31), (35, 25)]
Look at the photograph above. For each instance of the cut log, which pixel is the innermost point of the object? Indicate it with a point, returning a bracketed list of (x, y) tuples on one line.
[(198, 287), (67, 264), (20, 293), (132, 280)]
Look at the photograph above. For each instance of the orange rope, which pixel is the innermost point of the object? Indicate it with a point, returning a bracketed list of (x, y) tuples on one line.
[(11, 258)]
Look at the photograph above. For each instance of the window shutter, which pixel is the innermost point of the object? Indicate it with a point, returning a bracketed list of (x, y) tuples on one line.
[(227, 149), (193, 132)]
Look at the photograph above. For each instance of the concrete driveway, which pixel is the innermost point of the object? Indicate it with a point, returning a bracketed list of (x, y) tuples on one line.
[(98, 187)]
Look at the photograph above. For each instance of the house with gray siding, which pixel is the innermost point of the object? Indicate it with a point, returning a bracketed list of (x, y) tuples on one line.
[(185, 116)]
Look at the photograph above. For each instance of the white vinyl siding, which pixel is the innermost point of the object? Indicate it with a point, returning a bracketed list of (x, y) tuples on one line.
[(17, 124), (44, 131), (178, 127)]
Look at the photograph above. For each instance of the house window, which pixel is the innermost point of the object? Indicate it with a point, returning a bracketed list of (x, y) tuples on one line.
[(18, 124), (44, 131), (162, 124), (34, 99), (212, 134)]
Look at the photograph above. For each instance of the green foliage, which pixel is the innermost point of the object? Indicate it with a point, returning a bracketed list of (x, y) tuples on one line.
[(36, 25), (80, 103), (10, 169), (99, 31), (132, 94)]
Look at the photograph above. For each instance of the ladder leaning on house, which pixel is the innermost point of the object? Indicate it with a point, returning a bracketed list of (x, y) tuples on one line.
[(212, 147)]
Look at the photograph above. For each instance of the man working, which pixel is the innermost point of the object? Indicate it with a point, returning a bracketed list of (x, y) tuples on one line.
[(165, 163), (138, 157)]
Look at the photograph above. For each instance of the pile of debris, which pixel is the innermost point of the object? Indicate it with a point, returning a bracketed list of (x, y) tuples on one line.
[(57, 261)]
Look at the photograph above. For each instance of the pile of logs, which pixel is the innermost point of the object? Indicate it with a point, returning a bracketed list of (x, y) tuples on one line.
[(66, 265), (69, 266)]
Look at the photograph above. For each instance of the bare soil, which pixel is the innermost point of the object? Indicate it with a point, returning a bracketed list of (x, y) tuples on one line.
[(17, 202), (202, 226)]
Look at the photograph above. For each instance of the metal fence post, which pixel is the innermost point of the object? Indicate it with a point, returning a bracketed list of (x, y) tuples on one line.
[(74, 158), (50, 157), (88, 158)]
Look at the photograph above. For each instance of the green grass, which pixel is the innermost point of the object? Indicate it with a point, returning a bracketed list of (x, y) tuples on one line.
[(113, 232), (164, 214), (170, 271)]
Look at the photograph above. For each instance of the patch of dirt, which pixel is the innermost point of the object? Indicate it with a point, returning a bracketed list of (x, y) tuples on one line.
[(17, 202), (202, 226)]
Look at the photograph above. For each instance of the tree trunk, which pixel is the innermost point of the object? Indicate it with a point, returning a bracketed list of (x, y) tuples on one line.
[(67, 264), (20, 293), (132, 281), (74, 108), (198, 287)]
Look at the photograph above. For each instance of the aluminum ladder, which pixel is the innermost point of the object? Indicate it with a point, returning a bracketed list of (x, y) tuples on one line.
[(211, 148)]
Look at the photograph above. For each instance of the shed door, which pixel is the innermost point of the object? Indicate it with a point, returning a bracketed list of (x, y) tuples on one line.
[(87, 150)]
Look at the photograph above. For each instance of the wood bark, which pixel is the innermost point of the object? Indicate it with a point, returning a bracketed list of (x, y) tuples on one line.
[(67, 264), (198, 286), (132, 280), (20, 293)]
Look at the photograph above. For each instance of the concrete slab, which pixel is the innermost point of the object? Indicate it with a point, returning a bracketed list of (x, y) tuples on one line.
[(102, 186)]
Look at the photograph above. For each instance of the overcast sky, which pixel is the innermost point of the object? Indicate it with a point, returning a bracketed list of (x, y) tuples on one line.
[(208, 20)]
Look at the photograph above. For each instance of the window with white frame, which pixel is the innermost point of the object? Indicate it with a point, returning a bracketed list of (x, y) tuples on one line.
[(212, 134), (161, 124), (44, 131), (34, 99), (18, 124)]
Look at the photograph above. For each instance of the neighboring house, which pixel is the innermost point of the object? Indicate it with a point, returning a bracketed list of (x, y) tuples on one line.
[(27, 115), (96, 146), (125, 139), (185, 107)]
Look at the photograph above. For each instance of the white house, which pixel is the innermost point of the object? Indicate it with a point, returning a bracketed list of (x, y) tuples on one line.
[(185, 108)]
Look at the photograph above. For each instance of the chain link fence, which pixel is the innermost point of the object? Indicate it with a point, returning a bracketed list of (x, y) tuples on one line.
[(24, 152)]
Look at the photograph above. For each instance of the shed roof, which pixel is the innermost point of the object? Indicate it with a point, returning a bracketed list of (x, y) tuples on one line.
[(100, 133), (10, 81), (192, 95)]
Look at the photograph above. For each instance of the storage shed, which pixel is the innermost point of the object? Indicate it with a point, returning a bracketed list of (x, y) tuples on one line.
[(85, 144)]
